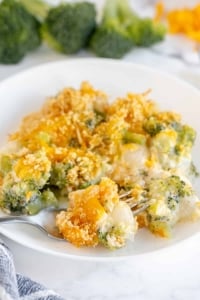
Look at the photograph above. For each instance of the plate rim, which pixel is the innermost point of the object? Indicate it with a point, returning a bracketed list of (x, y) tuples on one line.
[(66, 255), (128, 64), (110, 62)]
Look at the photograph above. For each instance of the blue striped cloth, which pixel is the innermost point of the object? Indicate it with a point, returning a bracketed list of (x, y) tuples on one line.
[(17, 287)]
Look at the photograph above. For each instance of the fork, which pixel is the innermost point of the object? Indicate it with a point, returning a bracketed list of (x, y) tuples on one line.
[(138, 207), (45, 219)]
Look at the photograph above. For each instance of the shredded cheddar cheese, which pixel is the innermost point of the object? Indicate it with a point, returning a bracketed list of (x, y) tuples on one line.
[(102, 160), (181, 21), (159, 11), (186, 21)]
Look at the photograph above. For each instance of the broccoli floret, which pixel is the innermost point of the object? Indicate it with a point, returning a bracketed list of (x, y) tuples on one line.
[(185, 140), (48, 198), (5, 164), (152, 126), (98, 118), (108, 41), (15, 197), (68, 27), (121, 29), (76, 172), (166, 195), (132, 137), (171, 141), (142, 31), (145, 32), (24, 197), (24, 181), (19, 32), (58, 176), (111, 38)]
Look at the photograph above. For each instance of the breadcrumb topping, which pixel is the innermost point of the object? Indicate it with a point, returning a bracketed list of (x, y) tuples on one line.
[(88, 152)]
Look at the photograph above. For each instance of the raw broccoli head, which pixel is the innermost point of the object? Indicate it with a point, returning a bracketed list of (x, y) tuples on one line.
[(121, 29), (142, 31), (111, 39), (111, 42), (68, 27), (145, 32), (19, 32)]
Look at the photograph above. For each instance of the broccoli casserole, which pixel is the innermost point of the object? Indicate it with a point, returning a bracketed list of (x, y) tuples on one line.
[(101, 160)]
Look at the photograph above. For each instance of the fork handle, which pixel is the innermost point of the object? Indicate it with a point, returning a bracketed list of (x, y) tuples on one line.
[(22, 219), (13, 219)]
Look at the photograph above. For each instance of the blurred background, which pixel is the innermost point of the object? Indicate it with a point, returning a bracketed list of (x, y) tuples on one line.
[(167, 35)]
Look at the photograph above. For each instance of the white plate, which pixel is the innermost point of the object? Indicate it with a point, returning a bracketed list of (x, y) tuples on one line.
[(26, 92)]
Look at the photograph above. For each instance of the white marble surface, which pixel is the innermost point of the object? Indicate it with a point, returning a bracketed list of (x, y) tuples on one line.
[(173, 274)]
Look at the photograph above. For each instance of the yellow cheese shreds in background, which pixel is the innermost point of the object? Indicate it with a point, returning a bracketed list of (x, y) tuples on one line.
[(181, 21)]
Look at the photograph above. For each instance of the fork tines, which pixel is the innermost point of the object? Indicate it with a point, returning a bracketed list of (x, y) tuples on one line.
[(139, 205)]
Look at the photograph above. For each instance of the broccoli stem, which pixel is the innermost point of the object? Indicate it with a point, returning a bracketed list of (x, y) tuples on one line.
[(118, 10), (110, 10), (37, 8), (125, 12), (131, 137), (49, 39)]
